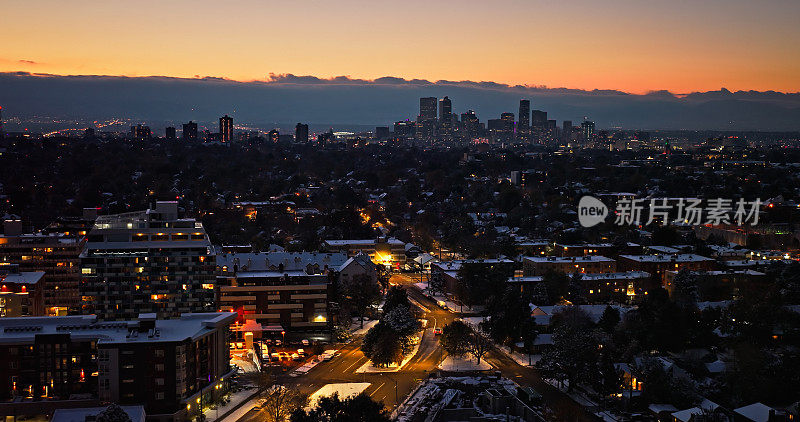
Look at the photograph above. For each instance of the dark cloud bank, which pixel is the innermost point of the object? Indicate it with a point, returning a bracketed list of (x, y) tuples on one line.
[(289, 98)]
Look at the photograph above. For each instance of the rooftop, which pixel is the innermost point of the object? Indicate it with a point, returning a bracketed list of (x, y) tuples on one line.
[(88, 327), (686, 257)]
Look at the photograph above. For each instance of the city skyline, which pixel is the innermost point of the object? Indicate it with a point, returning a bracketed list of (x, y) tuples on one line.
[(628, 46)]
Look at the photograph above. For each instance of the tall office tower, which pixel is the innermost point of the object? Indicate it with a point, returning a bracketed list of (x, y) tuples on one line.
[(226, 128), (301, 133), (147, 262), (471, 124), (538, 125), (446, 117), (524, 126), (587, 131), (169, 133), (427, 108), (508, 120), (445, 109), (566, 131), (141, 132), (190, 131)]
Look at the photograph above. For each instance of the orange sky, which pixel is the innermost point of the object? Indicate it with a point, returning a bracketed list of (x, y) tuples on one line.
[(631, 45)]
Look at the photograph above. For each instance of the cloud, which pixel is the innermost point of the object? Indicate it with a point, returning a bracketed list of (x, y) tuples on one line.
[(286, 98), (27, 62)]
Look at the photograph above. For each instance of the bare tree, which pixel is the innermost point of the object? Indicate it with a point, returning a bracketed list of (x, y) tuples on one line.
[(280, 402), (479, 344)]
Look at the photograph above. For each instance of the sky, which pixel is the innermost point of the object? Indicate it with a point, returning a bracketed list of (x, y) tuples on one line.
[(634, 46)]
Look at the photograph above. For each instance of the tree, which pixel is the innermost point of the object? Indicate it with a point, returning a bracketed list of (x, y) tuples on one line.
[(684, 289), (609, 320), (360, 408), (479, 281), (362, 292), (396, 296), (455, 338), (391, 339), (529, 335), (507, 314), (436, 282), (573, 355), (113, 413), (557, 283), (575, 289), (479, 344), (279, 402)]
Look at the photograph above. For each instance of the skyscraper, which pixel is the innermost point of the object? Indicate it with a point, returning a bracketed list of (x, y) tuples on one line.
[(301, 133), (445, 117), (445, 108), (427, 108), (524, 126), (538, 125), (587, 130), (471, 124), (226, 128), (190, 131), (566, 131), (169, 133)]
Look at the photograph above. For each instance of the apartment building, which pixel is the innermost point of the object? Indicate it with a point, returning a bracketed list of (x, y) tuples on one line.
[(147, 261), (540, 265), (168, 366), (55, 254)]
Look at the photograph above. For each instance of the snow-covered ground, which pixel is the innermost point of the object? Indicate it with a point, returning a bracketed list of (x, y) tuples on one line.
[(454, 364), (369, 368), (355, 327), (347, 389)]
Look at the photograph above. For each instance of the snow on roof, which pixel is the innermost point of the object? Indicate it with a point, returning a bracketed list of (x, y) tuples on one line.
[(23, 277), (191, 325), (685, 257), (136, 413), (757, 412), (568, 259), (686, 414), (658, 408), (363, 242), (271, 261)]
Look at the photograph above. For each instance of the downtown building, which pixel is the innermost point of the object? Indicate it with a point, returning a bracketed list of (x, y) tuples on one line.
[(171, 367), (147, 262)]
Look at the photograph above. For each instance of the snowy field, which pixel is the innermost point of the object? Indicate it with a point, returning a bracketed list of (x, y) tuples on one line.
[(344, 389)]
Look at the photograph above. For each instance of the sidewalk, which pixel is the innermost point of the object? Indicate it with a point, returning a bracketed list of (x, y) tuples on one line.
[(241, 402)]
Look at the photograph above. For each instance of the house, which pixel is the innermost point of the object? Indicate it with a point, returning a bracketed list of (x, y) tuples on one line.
[(356, 266), (759, 412)]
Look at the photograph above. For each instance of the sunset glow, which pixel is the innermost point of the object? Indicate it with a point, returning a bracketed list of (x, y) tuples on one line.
[(633, 46)]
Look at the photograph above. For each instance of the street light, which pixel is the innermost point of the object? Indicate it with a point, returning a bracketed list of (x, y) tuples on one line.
[(283, 336)]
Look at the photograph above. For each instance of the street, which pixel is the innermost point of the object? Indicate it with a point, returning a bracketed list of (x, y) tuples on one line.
[(393, 387)]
